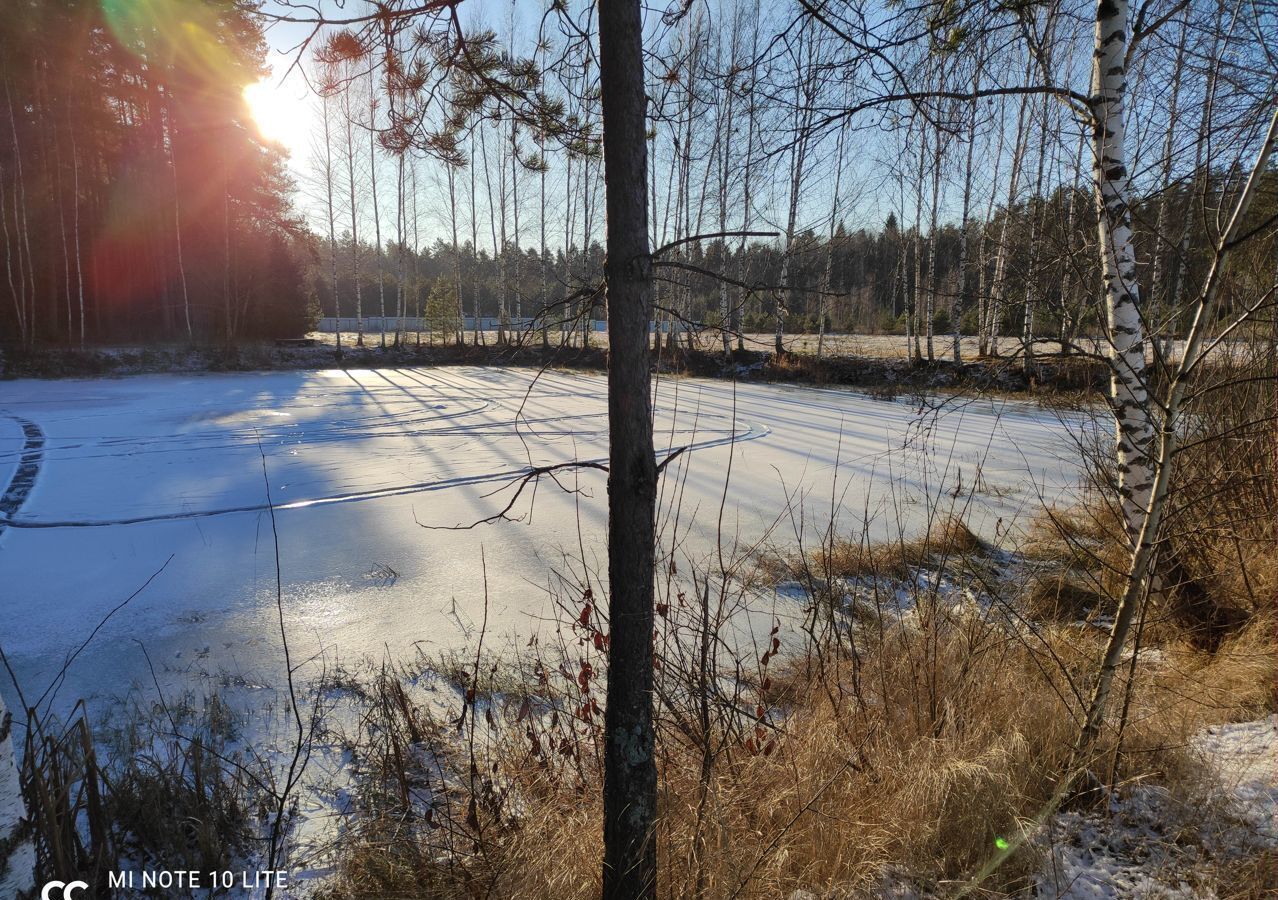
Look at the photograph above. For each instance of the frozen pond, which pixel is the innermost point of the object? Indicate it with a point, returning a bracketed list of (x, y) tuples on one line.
[(138, 471)]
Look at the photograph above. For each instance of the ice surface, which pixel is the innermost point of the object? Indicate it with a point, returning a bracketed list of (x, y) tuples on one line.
[(139, 470)]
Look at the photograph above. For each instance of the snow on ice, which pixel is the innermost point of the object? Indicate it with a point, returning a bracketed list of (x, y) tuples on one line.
[(134, 471)]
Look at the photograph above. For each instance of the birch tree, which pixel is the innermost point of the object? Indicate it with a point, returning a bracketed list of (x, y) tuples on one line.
[(377, 214), (1160, 450), (802, 117), (1126, 340), (17, 848)]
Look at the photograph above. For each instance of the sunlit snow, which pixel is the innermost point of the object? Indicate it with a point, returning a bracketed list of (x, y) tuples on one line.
[(135, 471)]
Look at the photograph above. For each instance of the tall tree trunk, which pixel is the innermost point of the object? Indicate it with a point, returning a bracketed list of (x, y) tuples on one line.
[(332, 220), (1201, 172), (177, 232), (17, 849), (586, 308), (1036, 230), (401, 229), (1069, 282), (377, 216), (965, 224), (496, 212), (804, 112), (460, 334), (544, 263), (630, 773), (827, 280), (1129, 391), (349, 116), (566, 329), (1158, 292), (24, 319), (984, 302), (1159, 458), (514, 214), (746, 173), (226, 251), (723, 145), (933, 278), (474, 249), (414, 278), (916, 296), (998, 288), (62, 232)]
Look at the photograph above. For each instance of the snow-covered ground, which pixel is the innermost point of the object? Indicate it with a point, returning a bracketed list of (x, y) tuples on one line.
[(166, 472), (1151, 843)]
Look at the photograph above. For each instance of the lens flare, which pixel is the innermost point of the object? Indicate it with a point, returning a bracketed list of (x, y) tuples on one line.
[(176, 33)]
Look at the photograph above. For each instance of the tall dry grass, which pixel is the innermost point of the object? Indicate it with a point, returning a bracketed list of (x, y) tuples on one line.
[(915, 744), (920, 749)]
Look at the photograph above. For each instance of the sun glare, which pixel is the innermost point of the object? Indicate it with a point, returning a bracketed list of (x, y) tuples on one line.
[(280, 117)]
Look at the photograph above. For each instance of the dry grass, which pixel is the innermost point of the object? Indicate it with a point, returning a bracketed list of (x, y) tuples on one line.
[(1252, 879), (913, 751), (1060, 597), (948, 539), (934, 746), (834, 796)]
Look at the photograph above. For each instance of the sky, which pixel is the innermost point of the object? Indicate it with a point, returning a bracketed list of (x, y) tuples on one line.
[(288, 111)]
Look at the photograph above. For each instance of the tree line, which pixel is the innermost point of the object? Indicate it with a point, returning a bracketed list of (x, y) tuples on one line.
[(136, 199)]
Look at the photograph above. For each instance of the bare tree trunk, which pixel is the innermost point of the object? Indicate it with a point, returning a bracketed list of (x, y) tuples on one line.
[(377, 215), (1036, 230), (983, 300), (960, 296), (457, 272), (1129, 392), (566, 331), (177, 232), (1068, 282), (226, 250), (998, 289), (26, 326), (19, 305), (586, 308), (415, 279), (332, 220), (747, 172), (916, 296), (17, 849), (543, 263), (827, 279), (805, 87), (62, 232), (723, 145), (630, 773), (496, 210), (401, 288), (1145, 540), (1201, 172), (1158, 292), (933, 280), (474, 249), (514, 212), (75, 228), (349, 116)]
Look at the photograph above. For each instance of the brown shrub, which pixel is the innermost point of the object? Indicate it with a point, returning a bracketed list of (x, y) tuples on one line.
[(1061, 597), (948, 538), (934, 749)]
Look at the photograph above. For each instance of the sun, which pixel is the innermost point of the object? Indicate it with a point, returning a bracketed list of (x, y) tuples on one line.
[(280, 116)]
